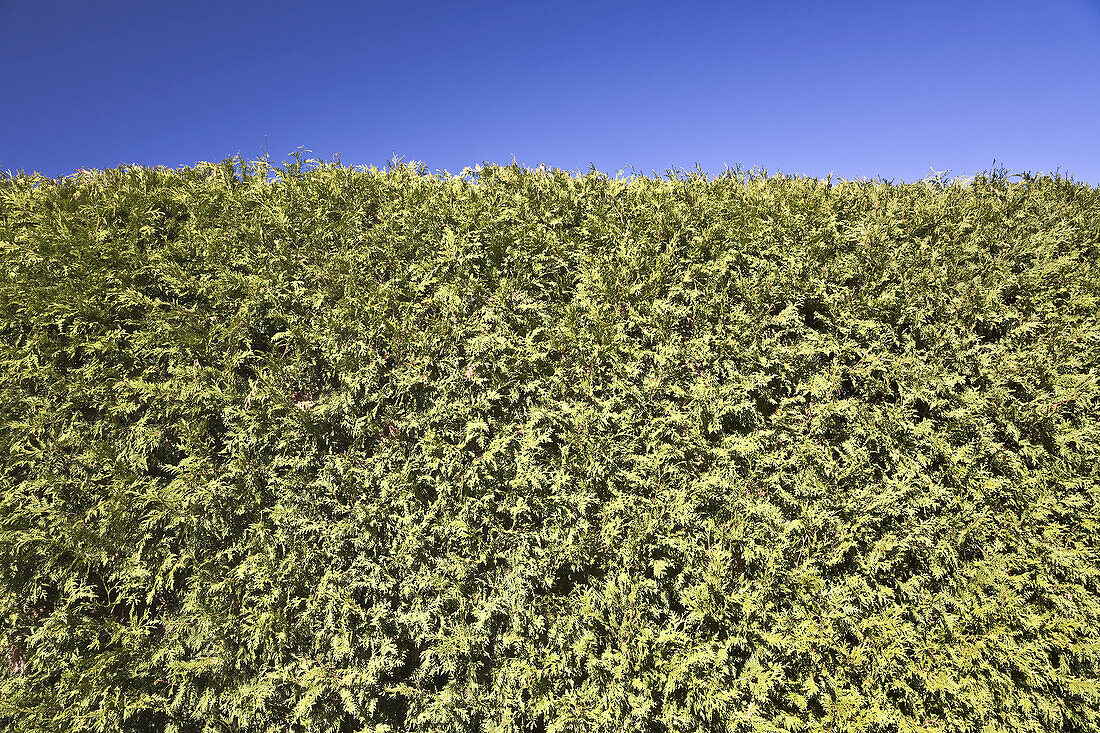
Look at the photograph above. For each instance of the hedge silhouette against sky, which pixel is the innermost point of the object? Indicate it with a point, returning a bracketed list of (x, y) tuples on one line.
[(521, 450)]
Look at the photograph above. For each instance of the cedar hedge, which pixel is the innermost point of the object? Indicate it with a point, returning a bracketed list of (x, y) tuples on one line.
[(315, 448)]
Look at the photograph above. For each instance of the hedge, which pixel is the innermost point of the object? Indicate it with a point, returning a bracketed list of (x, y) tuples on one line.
[(321, 448)]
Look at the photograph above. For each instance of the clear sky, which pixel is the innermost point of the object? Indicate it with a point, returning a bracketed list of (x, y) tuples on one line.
[(859, 89)]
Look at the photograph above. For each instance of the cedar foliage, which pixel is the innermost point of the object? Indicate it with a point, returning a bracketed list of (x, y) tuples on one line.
[(315, 448)]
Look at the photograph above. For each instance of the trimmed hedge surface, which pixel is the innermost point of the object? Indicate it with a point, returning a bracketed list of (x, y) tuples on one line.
[(332, 449)]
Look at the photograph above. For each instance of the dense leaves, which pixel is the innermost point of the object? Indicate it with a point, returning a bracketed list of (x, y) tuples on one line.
[(320, 448)]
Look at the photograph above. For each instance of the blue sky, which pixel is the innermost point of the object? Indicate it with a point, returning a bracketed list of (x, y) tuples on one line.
[(858, 89)]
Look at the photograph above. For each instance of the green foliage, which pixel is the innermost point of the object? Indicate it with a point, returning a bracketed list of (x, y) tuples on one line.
[(330, 449)]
